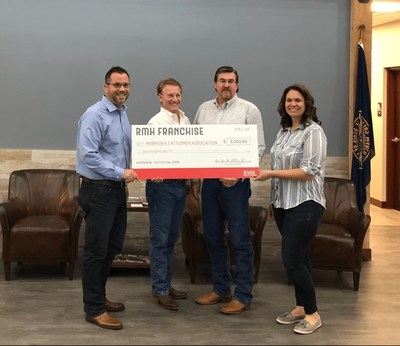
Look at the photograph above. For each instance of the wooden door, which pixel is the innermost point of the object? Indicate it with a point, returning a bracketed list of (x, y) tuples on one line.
[(393, 138)]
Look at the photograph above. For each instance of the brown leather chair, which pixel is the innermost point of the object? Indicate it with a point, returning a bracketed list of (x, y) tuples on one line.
[(340, 236), (194, 245), (41, 219)]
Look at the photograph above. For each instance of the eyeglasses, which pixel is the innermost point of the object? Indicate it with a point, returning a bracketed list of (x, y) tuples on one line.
[(224, 81), (120, 85)]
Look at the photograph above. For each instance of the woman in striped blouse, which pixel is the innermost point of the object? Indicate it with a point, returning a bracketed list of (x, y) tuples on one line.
[(298, 158)]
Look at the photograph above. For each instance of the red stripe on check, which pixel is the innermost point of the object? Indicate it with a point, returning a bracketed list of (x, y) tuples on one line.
[(196, 173)]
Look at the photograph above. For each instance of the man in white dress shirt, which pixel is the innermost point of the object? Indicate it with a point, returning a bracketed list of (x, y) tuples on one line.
[(166, 198)]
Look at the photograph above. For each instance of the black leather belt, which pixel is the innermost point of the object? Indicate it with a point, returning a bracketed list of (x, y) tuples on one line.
[(118, 184)]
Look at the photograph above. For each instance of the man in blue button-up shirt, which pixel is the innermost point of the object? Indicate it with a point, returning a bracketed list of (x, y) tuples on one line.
[(103, 159)]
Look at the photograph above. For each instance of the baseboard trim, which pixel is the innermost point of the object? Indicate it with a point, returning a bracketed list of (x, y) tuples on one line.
[(378, 203)]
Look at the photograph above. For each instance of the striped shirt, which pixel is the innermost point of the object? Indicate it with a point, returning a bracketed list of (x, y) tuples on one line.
[(303, 148)]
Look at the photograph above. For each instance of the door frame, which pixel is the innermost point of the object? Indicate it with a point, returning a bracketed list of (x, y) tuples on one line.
[(391, 73)]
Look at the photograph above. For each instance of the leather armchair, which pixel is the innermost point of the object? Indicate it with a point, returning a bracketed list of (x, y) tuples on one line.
[(340, 236), (194, 245), (41, 219)]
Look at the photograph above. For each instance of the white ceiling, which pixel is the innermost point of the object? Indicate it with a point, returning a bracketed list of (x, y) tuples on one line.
[(379, 18)]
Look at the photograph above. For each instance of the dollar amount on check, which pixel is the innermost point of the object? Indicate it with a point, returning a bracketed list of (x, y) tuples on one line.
[(195, 151)]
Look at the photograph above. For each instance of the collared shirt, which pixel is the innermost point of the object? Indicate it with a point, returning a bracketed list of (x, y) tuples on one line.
[(168, 118), (303, 148), (103, 142), (165, 117), (234, 111)]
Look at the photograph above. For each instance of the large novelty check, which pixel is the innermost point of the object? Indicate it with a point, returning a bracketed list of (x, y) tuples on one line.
[(195, 151)]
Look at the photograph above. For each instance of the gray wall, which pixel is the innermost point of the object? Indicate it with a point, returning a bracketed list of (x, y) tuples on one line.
[(54, 55)]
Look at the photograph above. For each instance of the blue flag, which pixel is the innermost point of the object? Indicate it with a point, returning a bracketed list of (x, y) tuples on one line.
[(363, 135)]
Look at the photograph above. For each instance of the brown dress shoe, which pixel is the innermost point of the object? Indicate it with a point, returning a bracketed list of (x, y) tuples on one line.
[(212, 298), (105, 320), (175, 294), (167, 302), (114, 307), (233, 308)]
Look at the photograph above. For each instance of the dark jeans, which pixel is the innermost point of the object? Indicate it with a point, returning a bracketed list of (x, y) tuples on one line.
[(298, 226), (106, 220), (222, 204), (166, 204)]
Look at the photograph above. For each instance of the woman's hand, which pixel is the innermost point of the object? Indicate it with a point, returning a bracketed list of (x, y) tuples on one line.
[(263, 175)]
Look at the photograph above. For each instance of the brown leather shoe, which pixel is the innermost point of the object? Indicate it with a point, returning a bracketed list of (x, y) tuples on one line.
[(105, 320), (175, 294), (114, 307), (233, 308), (212, 298), (167, 302)]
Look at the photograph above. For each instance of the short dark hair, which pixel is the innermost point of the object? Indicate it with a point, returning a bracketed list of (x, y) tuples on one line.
[(226, 69), (310, 112), (168, 81), (115, 69)]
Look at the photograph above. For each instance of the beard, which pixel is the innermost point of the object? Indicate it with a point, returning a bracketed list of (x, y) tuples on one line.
[(120, 99), (226, 94)]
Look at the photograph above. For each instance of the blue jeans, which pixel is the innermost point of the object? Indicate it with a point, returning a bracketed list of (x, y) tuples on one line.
[(298, 226), (222, 205), (166, 204), (105, 213)]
